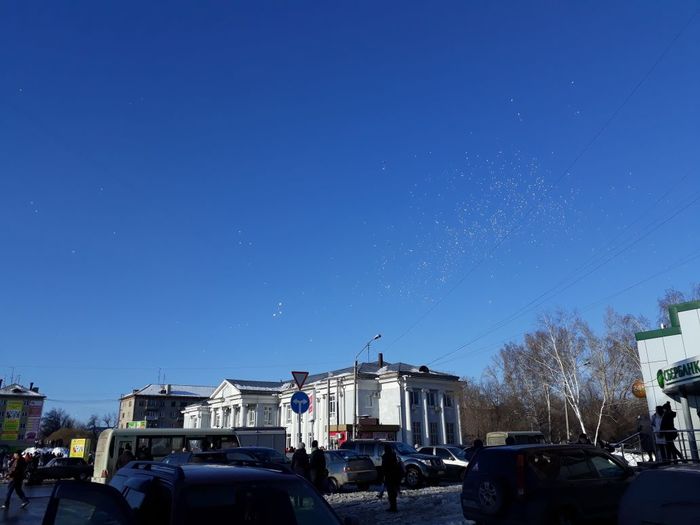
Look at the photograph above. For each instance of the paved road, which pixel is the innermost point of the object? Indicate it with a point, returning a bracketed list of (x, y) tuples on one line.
[(34, 513)]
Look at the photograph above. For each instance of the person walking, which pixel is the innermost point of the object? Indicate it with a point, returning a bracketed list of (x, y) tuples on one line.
[(300, 461), (669, 432), (16, 475), (125, 457), (392, 475), (659, 439), (317, 467)]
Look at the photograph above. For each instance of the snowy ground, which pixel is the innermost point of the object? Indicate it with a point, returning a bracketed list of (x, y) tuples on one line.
[(428, 505)]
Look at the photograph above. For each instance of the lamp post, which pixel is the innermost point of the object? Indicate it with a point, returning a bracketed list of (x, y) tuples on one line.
[(357, 395)]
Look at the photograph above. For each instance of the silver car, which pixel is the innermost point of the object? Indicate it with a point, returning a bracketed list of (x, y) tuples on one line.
[(348, 467)]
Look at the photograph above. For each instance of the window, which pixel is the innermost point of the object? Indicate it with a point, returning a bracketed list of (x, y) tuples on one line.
[(447, 399), (433, 431), (450, 431), (417, 434), (606, 467), (288, 412), (574, 466), (443, 453), (432, 396), (251, 416), (267, 415), (141, 403), (415, 397), (331, 405)]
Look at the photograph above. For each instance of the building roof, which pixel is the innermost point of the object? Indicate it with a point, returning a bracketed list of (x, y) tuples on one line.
[(261, 386), (15, 389), (373, 369), (175, 390)]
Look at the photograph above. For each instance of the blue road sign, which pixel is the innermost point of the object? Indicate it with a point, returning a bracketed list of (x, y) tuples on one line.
[(300, 402)]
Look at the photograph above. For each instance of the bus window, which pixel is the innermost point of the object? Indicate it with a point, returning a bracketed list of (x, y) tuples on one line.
[(194, 444), (143, 450), (178, 443), (228, 442), (161, 447)]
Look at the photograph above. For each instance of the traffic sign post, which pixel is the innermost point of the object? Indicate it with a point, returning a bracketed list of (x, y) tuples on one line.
[(299, 378), (299, 404)]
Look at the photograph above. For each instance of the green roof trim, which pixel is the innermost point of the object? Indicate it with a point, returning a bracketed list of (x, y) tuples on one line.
[(654, 334), (675, 328)]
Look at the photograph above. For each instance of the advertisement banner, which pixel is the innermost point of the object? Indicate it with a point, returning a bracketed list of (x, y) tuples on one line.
[(34, 408), (8, 436), (79, 448), (136, 424), (33, 424), (13, 413)]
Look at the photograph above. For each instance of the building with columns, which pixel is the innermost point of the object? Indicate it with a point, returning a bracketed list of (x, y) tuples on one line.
[(392, 401)]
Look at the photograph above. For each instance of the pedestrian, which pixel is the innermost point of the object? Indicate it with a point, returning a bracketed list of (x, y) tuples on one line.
[(300, 461), (16, 475), (391, 467), (669, 432), (659, 439), (646, 441), (317, 467), (125, 457)]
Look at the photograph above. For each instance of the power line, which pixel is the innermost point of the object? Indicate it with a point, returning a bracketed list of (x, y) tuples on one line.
[(563, 174)]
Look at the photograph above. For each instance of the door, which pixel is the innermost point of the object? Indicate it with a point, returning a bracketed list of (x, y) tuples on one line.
[(615, 478), (75, 502)]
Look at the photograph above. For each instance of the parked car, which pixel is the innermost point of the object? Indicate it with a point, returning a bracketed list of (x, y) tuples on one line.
[(60, 468), (543, 484), (418, 468), (454, 458), (665, 495), (157, 493), (241, 456), (347, 467)]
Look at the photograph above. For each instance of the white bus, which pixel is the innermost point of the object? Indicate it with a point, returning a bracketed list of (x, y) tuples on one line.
[(156, 443)]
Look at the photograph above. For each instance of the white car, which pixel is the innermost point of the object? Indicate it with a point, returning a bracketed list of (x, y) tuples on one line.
[(453, 457)]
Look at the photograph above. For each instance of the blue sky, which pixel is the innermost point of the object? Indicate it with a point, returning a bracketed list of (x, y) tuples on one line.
[(240, 190)]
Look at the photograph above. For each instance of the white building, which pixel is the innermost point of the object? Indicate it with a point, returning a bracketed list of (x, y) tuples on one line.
[(670, 359), (394, 401)]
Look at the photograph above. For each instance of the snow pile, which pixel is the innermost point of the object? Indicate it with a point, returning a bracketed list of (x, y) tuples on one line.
[(428, 505)]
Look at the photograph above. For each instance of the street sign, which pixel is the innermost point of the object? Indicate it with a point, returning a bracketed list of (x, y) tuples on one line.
[(299, 402), (300, 378)]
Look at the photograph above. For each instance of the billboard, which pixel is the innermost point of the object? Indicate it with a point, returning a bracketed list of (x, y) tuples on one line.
[(79, 448), (13, 413), (136, 424), (35, 407)]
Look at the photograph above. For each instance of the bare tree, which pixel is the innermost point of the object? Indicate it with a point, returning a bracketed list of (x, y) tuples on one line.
[(109, 419)]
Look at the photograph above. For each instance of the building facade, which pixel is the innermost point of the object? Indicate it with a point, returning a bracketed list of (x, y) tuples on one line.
[(20, 415), (159, 406), (670, 361), (391, 401)]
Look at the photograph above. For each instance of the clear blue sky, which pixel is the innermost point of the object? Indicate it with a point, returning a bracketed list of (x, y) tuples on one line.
[(224, 190)]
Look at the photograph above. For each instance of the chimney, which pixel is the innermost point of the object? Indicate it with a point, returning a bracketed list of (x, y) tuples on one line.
[(0, 383), (35, 389), (168, 389), (380, 358), (31, 386)]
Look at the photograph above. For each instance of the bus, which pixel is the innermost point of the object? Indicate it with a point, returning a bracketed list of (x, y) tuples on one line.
[(156, 443)]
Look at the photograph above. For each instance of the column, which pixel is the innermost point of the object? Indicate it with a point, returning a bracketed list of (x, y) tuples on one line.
[(442, 418), (426, 422), (244, 415), (259, 415), (458, 414), (409, 423)]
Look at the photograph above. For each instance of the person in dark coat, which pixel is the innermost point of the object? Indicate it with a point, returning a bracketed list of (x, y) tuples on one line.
[(300, 461), (16, 475), (125, 457), (668, 430), (317, 467), (392, 475)]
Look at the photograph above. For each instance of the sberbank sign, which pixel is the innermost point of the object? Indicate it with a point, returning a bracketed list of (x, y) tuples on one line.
[(686, 371)]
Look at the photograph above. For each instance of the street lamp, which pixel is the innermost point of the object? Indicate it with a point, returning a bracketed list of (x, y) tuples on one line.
[(357, 395)]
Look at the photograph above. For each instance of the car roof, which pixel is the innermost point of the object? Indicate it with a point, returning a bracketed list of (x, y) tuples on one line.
[(534, 446), (202, 473)]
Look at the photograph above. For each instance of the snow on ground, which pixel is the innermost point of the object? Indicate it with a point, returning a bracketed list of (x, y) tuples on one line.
[(429, 505)]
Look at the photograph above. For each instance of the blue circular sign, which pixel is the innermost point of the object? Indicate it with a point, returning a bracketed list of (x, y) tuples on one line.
[(299, 402)]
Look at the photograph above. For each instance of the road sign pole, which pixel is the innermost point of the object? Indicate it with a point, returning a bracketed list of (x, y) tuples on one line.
[(299, 433)]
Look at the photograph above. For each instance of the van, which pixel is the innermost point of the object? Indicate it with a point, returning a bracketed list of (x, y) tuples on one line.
[(521, 437)]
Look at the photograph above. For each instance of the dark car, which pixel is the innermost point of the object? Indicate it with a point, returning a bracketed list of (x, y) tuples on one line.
[(241, 456), (156, 493), (664, 495), (60, 468), (347, 467), (417, 468), (543, 484)]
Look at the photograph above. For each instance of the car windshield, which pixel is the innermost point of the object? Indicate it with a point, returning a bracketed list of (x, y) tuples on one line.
[(257, 502), (403, 448), (457, 452), (347, 454)]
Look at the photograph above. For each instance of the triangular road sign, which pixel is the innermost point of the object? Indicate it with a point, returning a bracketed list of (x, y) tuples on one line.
[(300, 378)]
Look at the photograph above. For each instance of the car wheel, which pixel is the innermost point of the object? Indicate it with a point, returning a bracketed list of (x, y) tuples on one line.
[(491, 497), (333, 486), (413, 477)]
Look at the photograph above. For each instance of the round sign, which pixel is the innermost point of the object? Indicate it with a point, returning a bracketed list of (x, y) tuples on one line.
[(299, 402), (638, 389)]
